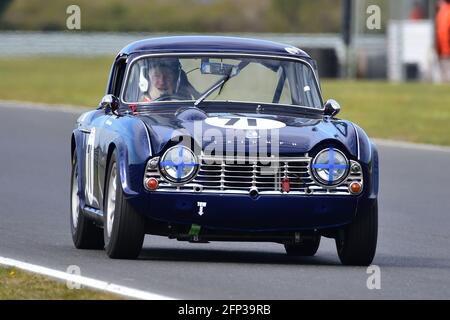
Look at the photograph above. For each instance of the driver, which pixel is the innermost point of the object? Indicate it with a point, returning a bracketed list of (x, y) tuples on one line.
[(164, 76)]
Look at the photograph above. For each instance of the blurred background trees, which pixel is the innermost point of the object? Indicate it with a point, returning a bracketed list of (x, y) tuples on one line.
[(283, 16)]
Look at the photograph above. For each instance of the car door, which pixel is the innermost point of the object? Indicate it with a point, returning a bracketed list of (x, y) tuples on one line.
[(98, 141)]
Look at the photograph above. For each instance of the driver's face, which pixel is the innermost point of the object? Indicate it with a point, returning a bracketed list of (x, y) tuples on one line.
[(163, 79)]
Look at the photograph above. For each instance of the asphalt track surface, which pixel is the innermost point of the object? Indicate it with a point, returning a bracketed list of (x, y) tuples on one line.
[(414, 230)]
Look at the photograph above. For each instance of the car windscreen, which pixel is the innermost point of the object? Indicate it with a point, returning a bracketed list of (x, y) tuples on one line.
[(214, 78)]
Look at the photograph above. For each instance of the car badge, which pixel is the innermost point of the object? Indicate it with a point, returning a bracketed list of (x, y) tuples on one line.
[(252, 134)]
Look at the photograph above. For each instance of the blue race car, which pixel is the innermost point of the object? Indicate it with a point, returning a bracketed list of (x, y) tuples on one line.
[(221, 139)]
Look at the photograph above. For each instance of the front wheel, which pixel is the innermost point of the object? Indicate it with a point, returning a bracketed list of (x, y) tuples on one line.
[(124, 228), (85, 234), (357, 243)]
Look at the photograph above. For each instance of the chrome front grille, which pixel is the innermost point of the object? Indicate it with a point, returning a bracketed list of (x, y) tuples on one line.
[(263, 175)]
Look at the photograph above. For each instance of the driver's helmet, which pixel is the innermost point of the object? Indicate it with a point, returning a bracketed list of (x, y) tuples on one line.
[(173, 64)]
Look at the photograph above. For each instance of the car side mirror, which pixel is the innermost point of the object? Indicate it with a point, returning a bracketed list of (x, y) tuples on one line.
[(110, 103), (332, 108)]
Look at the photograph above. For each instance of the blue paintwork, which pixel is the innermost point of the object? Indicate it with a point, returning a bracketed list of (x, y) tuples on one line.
[(369, 156), (303, 130), (139, 137), (128, 135), (210, 44), (242, 213)]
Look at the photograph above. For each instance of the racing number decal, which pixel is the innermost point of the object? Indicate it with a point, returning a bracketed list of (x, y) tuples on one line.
[(244, 123), (232, 122), (89, 165), (250, 122)]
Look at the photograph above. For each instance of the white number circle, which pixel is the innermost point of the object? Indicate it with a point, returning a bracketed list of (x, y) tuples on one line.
[(244, 123)]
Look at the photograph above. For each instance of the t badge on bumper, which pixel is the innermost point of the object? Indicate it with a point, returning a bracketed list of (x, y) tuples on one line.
[(201, 205)]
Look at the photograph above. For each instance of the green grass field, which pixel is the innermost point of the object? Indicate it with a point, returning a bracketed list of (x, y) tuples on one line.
[(16, 284), (416, 112)]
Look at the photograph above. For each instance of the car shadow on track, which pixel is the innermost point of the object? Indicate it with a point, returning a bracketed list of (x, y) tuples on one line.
[(227, 256)]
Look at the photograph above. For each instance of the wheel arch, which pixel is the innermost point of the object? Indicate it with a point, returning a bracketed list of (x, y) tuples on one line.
[(76, 148), (110, 150), (331, 142), (122, 160), (73, 145)]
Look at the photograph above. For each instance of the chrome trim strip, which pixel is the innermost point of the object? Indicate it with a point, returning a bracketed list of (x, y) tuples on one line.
[(337, 193), (84, 130), (358, 146)]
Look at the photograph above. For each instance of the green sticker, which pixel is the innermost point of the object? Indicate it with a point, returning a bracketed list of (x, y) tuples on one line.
[(195, 230)]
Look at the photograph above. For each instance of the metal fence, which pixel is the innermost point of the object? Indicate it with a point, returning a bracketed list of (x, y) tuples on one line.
[(73, 43)]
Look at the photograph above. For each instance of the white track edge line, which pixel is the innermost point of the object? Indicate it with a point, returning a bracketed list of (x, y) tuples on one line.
[(84, 281)]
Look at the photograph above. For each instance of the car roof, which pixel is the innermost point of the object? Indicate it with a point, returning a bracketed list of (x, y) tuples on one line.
[(210, 44)]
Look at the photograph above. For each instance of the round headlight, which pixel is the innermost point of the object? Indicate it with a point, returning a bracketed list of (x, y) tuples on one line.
[(330, 166), (178, 164)]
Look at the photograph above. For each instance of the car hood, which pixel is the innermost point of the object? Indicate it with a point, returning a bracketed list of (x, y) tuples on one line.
[(294, 134)]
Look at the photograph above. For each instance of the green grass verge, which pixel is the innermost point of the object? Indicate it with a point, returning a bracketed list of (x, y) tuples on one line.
[(16, 284), (79, 81), (416, 112)]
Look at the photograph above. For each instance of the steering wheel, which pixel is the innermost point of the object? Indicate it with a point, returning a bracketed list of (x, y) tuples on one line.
[(166, 97)]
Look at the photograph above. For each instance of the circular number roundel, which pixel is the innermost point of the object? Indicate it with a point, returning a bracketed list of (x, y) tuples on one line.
[(244, 123)]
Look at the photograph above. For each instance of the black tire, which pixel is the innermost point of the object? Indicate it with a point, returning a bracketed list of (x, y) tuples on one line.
[(125, 234), (358, 242), (307, 248), (85, 234)]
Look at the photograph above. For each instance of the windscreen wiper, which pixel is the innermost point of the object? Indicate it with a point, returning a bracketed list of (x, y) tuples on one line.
[(219, 84), (233, 72)]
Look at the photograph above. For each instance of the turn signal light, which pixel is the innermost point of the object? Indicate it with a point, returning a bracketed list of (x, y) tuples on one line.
[(152, 184), (355, 187)]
